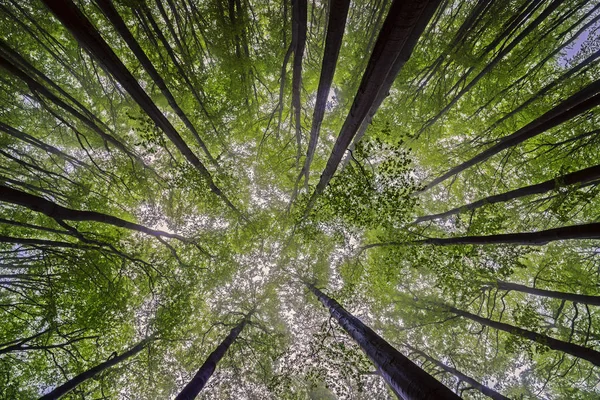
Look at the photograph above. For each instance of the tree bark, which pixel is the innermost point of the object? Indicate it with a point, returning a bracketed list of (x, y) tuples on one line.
[(580, 102), (574, 297), (113, 16), (391, 77), (191, 390), (400, 26), (465, 378), (89, 38), (55, 211), (66, 387), (333, 42), (573, 232), (582, 176), (406, 379), (299, 11), (573, 349)]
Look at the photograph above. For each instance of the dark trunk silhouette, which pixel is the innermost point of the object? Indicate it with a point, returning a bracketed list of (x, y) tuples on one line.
[(580, 102), (113, 16), (66, 387), (405, 21), (579, 177), (338, 13), (573, 232), (404, 377), (465, 378), (574, 297), (573, 349), (89, 38), (299, 20), (53, 210), (191, 390)]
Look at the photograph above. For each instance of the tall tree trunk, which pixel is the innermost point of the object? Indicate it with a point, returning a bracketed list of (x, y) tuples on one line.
[(191, 390), (299, 14), (66, 387), (391, 77), (573, 232), (465, 378), (574, 297), (578, 177), (407, 380), (573, 349), (491, 64), (580, 102), (338, 14), (399, 27), (55, 211), (113, 16), (89, 38)]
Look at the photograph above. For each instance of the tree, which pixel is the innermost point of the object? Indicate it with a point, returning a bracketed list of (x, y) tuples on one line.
[(405, 379)]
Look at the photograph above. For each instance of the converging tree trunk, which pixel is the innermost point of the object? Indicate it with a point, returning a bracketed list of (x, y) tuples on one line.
[(113, 16), (573, 232), (580, 102), (574, 297), (573, 349), (578, 177), (66, 387), (299, 11), (338, 12), (89, 38), (465, 378), (404, 21), (405, 378), (58, 212), (191, 390)]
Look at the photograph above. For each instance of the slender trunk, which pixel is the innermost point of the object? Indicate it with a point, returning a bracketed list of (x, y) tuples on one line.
[(406, 379), (191, 390), (580, 102), (92, 372), (391, 77), (333, 42), (400, 26), (573, 232), (89, 38), (37, 87), (574, 297), (573, 349), (579, 177), (299, 13), (55, 211), (465, 378), (113, 16)]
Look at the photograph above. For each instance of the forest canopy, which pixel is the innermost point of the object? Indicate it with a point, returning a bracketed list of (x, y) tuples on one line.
[(250, 199)]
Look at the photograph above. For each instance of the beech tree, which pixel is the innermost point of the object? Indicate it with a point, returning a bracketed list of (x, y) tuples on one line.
[(165, 164)]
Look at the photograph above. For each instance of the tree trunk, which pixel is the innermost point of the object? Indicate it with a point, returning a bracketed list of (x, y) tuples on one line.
[(333, 42), (573, 232), (113, 16), (583, 176), (574, 297), (55, 211), (191, 390), (407, 380), (465, 378), (573, 349), (405, 21), (391, 77), (66, 387), (299, 11), (89, 38), (580, 102)]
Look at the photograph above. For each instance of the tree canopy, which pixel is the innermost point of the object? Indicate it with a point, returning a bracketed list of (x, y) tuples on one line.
[(185, 184)]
